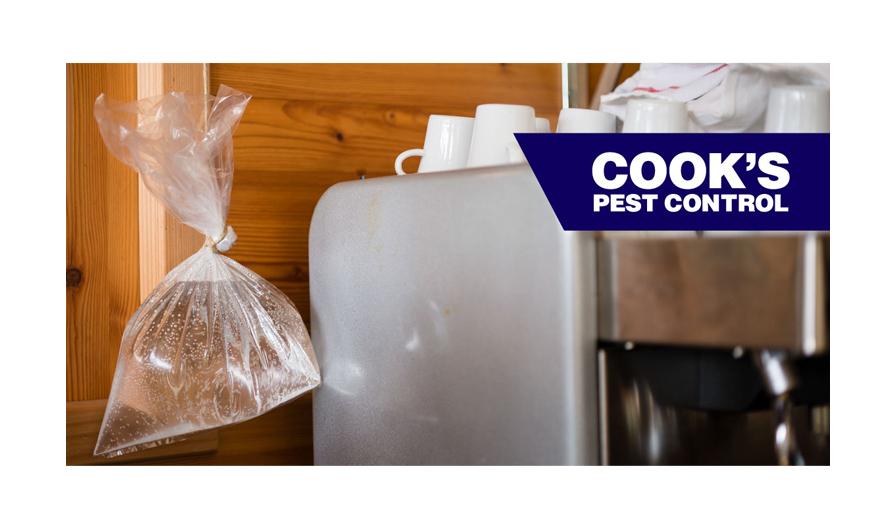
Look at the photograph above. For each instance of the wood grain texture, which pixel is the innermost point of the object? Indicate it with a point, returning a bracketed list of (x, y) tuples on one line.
[(83, 420), (417, 85), (164, 240), (101, 234), (310, 126), (282, 436)]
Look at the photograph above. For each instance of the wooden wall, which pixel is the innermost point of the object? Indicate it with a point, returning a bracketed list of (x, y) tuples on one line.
[(102, 268), (308, 127)]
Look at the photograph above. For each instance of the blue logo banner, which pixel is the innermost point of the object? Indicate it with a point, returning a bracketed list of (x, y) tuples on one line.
[(684, 181)]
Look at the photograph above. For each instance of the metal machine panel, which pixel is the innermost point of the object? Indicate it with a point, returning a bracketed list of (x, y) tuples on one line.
[(756, 291), (454, 321)]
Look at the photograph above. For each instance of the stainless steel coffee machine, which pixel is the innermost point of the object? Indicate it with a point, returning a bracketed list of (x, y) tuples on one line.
[(710, 343), (711, 346), (455, 322)]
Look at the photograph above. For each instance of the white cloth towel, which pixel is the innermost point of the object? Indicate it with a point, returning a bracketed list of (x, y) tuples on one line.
[(720, 97)]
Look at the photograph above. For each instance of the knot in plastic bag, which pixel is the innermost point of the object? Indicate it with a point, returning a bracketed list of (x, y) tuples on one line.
[(224, 242)]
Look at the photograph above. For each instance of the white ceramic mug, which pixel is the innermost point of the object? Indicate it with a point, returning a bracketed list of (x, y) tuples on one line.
[(656, 115), (542, 125), (446, 146), (582, 120), (493, 142), (794, 109)]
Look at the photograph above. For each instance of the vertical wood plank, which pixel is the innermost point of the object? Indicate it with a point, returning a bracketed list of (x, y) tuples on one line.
[(579, 96), (164, 240), (102, 287)]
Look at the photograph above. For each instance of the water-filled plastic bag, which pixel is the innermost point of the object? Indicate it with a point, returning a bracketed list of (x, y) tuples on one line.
[(214, 343)]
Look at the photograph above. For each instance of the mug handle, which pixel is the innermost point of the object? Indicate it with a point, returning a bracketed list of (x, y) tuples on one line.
[(399, 161)]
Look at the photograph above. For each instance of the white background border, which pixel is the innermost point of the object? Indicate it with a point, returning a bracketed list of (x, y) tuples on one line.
[(38, 40)]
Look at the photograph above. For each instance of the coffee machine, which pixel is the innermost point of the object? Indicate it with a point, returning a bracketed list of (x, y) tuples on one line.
[(457, 323), (711, 345)]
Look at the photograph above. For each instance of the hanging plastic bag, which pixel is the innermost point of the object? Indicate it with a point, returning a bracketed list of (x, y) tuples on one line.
[(214, 343)]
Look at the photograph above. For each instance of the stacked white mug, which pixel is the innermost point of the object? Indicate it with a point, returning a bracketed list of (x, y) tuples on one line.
[(454, 142), (493, 142), (446, 146), (655, 116), (798, 109), (581, 120)]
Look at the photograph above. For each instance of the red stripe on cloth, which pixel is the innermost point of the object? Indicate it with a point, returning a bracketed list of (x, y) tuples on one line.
[(650, 89)]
